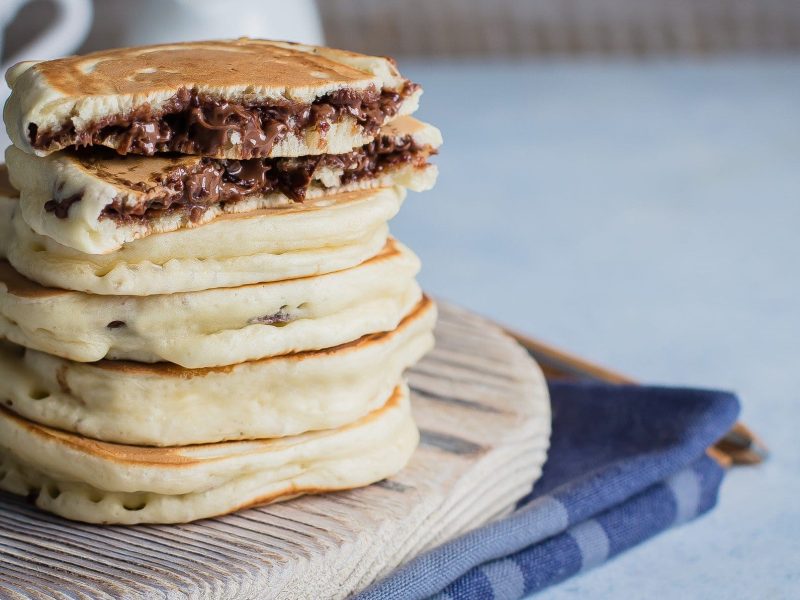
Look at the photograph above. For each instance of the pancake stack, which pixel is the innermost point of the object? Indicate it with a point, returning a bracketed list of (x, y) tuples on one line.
[(200, 304)]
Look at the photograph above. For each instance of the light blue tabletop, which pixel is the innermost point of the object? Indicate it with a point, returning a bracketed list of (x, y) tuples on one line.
[(644, 215)]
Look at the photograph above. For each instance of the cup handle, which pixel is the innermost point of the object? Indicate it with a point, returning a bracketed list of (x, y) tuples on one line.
[(73, 20)]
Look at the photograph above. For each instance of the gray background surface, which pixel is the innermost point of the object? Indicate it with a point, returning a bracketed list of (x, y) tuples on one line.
[(644, 215)]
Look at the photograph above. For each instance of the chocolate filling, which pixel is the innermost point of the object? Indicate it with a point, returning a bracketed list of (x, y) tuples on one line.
[(194, 123), (212, 181), (279, 318), (61, 207)]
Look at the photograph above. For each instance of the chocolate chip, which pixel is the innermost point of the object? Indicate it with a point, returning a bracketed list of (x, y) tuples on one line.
[(194, 123), (193, 190)]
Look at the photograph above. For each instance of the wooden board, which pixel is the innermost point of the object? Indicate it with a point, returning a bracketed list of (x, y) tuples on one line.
[(483, 410), (740, 446)]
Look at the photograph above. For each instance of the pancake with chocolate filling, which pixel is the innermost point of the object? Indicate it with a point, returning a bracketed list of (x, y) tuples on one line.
[(98, 482), (216, 327), (96, 201), (231, 99), (165, 405), (9, 201), (323, 235)]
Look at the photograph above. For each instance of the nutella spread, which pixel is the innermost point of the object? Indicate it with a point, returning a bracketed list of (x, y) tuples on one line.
[(196, 187), (193, 123), (61, 207)]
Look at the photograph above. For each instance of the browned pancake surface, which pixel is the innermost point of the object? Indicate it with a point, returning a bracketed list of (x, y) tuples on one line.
[(238, 63), (6, 189), (174, 456)]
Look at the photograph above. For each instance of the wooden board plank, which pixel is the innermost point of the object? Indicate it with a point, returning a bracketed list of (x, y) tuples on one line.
[(740, 446), (483, 410)]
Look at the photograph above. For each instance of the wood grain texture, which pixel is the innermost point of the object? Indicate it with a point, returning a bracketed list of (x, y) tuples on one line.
[(504, 28), (740, 446), (483, 410)]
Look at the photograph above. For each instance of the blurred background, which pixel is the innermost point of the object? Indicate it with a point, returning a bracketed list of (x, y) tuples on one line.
[(440, 28), (619, 177)]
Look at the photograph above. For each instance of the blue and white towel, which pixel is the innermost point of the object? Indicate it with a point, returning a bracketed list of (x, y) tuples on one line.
[(626, 462)]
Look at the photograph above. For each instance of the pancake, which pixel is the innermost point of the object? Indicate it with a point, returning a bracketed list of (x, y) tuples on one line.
[(234, 99), (165, 405), (9, 200), (214, 327), (96, 201), (6, 189), (320, 236), (98, 482)]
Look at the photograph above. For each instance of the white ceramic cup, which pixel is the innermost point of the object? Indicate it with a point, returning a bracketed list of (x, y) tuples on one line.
[(67, 32), (63, 36), (120, 23), (140, 22)]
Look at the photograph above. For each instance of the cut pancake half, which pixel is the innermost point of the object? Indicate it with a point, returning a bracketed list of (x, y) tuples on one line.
[(319, 236), (229, 98), (96, 202), (165, 405), (9, 201), (215, 327), (98, 482)]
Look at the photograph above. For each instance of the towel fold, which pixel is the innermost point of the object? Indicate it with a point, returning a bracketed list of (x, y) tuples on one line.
[(625, 463)]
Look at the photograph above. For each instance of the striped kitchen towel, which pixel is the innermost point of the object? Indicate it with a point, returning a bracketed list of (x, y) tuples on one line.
[(625, 463)]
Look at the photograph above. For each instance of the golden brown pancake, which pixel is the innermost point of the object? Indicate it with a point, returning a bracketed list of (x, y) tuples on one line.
[(321, 235), (236, 99), (98, 482), (214, 327), (162, 404), (71, 195), (6, 189)]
